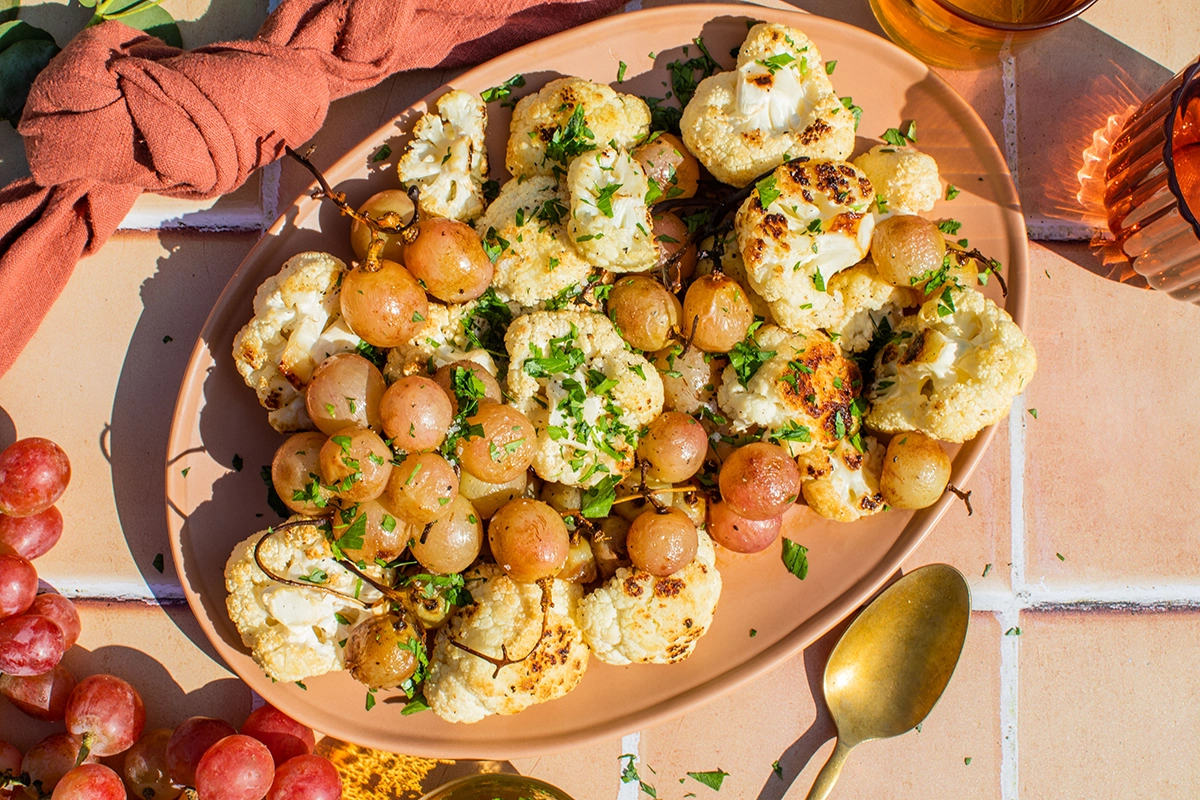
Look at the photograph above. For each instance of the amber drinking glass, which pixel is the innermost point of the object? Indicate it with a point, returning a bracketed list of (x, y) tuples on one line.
[(497, 786), (1152, 187), (967, 34)]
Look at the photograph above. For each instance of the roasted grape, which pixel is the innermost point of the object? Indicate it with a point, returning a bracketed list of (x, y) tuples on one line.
[(671, 234), (110, 710), (18, 585), (416, 413), (674, 170), (690, 379), (759, 481), (581, 563), (385, 307), (421, 489), (529, 540), (90, 782), (673, 447), (282, 735), (32, 536), (445, 377), (504, 450), (356, 464), (33, 475), (448, 259), (51, 758), (60, 610), (561, 497), (296, 474), (608, 545), (662, 543), (734, 532), (907, 249), (453, 542), (644, 311), (145, 767), (383, 652), (344, 392), (489, 497), (188, 744), (42, 696), (306, 777), (383, 534), (235, 768), (915, 471), (377, 206), (10, 766), (716, 308), (30, 645)]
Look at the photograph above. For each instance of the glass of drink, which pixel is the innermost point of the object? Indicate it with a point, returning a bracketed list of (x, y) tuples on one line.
[(497, 786), (967, 34)]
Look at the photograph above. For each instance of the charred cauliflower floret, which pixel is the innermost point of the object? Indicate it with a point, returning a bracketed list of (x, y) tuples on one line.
[(905, 179), (733, 266), (803, 391), (506, 618), (610, 222), (585, 393), (293, 632), (778, 102), (447, 157), (801, 226), (442, 340), (297, 324), (638, 618), (951, 370), (842, 483), (570, 116), (867, 300), (524, 230)]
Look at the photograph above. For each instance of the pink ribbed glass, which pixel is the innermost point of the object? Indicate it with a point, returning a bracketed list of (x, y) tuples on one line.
[(1152, 191)]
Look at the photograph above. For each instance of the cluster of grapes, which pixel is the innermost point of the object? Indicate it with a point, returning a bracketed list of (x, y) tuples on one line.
[(105, 717)]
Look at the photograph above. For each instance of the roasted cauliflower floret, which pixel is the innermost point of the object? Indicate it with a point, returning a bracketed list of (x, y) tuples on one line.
[(815, 222), (952, 369), (866, 300), (297, 324), (506, 617), (638, 618), (447, 157), (525, 232), (586, 394), (442, 340), (777, 103), (842, 484), (292, 632), (610, 222), (905, 179), (804, 392), (570, 116)]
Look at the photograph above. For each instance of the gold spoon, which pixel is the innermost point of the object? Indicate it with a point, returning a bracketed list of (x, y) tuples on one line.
[(892, 664)]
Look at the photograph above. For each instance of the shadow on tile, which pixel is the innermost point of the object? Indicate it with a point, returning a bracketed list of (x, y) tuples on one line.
[(8, 429), (1098, 259)]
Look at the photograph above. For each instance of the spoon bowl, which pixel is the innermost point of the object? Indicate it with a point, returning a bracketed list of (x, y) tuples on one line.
[(892, 664)]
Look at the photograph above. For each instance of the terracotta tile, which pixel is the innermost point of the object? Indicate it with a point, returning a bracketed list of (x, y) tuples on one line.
[(161, 652), (1108, 459), (1109, 705), (113, 413), (1160, 30), (776, 718), (971, 543), (583, 774)]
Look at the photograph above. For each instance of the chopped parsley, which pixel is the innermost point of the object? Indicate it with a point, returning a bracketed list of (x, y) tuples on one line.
[(597, 500), (414, 706), (570, 140), (370, 352), (952, 191), (621, 67), (747, 357), (818, 280), (899, 138), (856, 111), (767, 193), (949, 226), (777, 62), (830, 66), (504, 90), (1033, 413), (604, 198), (159, 563), (381, 154), (712, 779), (795, 558)]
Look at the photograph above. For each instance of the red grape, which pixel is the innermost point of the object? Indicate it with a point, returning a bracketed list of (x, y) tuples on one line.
[(190, 742), (282, 735), (109, 709), (18, 585), (235, 768), (739, 534), (306, 778), (10, 766), (145, 767), (90, 782), (52, 757), (60, 610), (33, 475), (34, 535), (30, 645), (42, 697)]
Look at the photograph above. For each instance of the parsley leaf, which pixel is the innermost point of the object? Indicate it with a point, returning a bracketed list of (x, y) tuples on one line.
[(604, 198), (621, 67), (899, 138), (795, 558), (273, 498), (159, 563), (949, 226), (504, 90), (848, 104), (747, 357), (952, 191), (414, 706), (712, 779), (570, 140), (597, 500), (381, 154), (767, 193)]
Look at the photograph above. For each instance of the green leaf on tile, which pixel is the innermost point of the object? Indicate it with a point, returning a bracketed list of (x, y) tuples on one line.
[(986, 569), (629, 772), (370, 699), (952, 191), (753, 633), (168, 339), (777, 768), (380, 155), (159, 563), (1033, 413), (302, 686), (712, 779), (967, 761), (1061, 557), (1013, 632)]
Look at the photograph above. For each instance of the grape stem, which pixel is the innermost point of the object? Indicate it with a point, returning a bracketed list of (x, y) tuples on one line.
[(964, 496), (387, 225), (687, 344), (386, 591), (989, 265), (499, 663)]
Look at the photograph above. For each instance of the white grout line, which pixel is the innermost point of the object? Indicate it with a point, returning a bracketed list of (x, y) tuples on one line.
[(199, 220), (629, 746), (269, 192), (119, 591), (1062, 230), (1010, 649), (1009, 78), (1016, 441)]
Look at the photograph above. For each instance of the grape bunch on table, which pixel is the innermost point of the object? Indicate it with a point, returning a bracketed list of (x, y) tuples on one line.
[(272, 757)]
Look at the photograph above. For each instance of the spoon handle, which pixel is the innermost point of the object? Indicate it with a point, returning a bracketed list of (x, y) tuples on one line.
[(829, 773)]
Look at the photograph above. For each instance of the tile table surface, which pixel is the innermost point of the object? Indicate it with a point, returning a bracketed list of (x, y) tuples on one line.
[(1078, 678)]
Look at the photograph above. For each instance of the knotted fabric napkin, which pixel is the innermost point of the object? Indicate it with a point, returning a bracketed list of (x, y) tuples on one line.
[(118, 113)]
